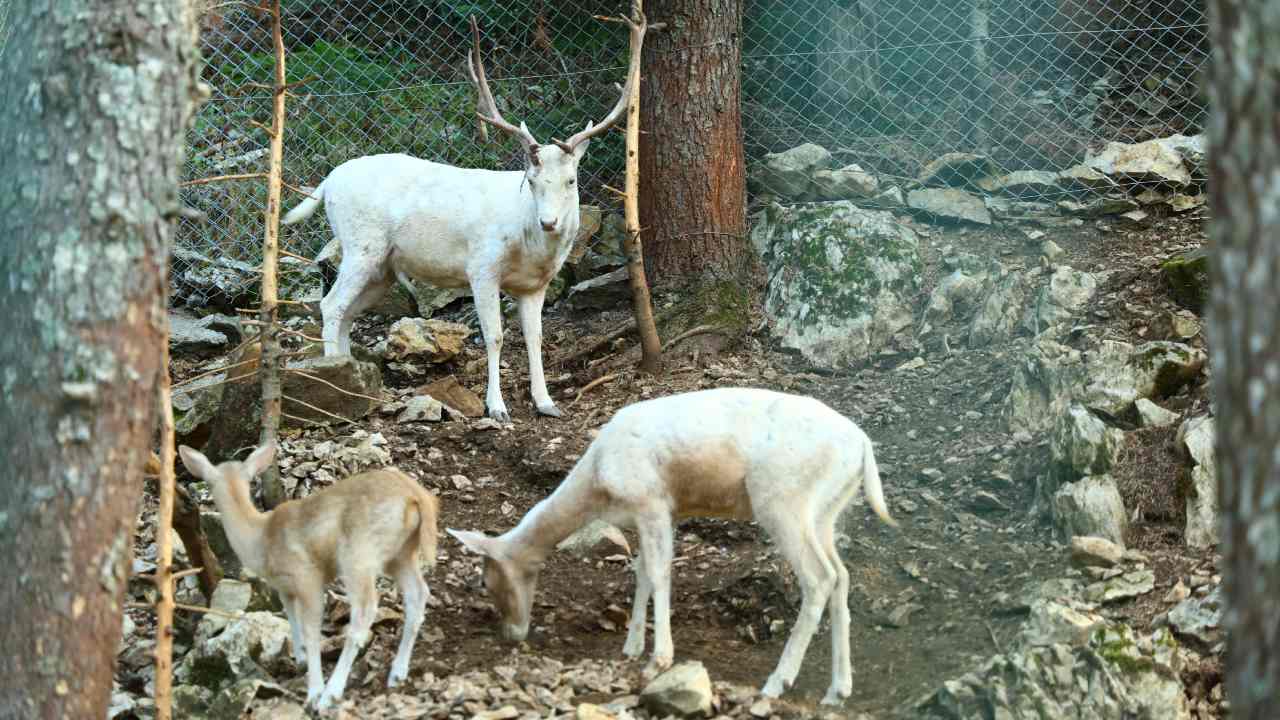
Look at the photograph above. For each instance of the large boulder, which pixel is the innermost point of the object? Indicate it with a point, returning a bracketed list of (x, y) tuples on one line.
[(246, 647), (222, 282), (789, 174), (1069, 663), (1090, 506), (841, 279), (1197, 435), (332, 387), (1154, 162), (1022, 184), (1107, 380)]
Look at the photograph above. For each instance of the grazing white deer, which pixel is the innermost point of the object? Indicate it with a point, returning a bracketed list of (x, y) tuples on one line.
[(398, 216), (787, 461), (369, 524)]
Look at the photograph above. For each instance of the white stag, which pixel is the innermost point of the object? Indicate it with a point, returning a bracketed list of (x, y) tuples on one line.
[(397, 215)]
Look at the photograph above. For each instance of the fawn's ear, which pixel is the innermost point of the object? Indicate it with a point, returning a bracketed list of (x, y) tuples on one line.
[(197, 464), (478, 543), (260, 459)]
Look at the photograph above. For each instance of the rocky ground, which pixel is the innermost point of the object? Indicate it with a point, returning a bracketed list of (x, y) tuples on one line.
[(1008, 418)]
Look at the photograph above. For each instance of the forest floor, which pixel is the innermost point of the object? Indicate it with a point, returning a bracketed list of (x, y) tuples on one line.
[(928, 599)]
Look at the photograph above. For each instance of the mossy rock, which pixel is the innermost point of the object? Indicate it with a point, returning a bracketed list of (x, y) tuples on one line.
[(1187, 276)]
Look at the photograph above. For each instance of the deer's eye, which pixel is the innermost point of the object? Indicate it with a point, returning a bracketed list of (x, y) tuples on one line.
[(571, 182)]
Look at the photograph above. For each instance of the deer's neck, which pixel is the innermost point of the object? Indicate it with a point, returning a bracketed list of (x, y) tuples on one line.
[(242, 521), (557, 517)]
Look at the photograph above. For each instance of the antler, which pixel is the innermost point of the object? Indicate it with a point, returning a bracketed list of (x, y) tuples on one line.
[(638, 26), (486, 108)]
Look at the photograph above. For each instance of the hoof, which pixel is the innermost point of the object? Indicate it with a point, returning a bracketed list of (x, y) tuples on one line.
[(774, 687), (632, 650), (656, 667), (396, 677), (550, 411), (835, 697), (501, 416)]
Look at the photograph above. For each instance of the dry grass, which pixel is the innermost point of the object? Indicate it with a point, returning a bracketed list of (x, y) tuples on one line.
[(1151, 476)]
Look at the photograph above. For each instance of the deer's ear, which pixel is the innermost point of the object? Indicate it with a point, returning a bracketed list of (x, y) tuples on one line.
[(478, 543), (197, 463), (259, 459)]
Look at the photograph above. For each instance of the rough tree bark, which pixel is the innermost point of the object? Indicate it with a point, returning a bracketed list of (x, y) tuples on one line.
[(94, 104), (693, 188), (1244, 166)]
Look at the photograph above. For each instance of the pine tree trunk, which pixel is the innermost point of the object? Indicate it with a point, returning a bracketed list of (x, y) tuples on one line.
[(1244, 157), (693, 187), (94, 104)]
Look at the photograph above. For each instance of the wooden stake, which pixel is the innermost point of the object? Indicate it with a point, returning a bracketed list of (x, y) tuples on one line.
[(641, 304), (272, 488), (164, 545)]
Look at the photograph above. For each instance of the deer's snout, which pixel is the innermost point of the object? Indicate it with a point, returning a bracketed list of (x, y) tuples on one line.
[(548, 225)]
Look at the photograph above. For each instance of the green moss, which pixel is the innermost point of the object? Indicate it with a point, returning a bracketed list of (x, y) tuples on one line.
[(1188, 278), (841, 283), (1117, 648)]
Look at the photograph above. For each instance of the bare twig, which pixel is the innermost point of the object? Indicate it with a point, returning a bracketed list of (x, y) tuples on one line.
[(295, 256), (217, 370), (614, 190), (994, 641), (699, 330), (319, 379), (320, 410), (299, 333), (307, 421), (594, 383), (300, 191), (220, 178)]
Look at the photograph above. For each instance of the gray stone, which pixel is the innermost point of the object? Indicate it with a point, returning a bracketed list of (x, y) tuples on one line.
[(417, 339), (956, 169), (202, 281), (1066, 293), (1180, 203), (604, 292), (1090, 506), (1122, 587), (890, 197), (956, 296), (1191, 148), (244, 648), (1051, 251), (949, 204), (1052, 623), (1152, 415), (1079, 179), (1187, 276), (1199, 617), (593, 535), (684, 690), (1009, 209), (1002, 306), (1151, 162), (457, 399), (1022, 184), (847, 183), (789, 173), (422, 408), (211, 333), (357, 393), (1089, 551), (841, 279), (230, 597), (195, 406), (1197, 435), (1099, 207), (1083, 445)]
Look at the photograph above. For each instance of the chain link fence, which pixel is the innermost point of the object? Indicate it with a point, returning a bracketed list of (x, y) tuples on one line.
[(887, 85)]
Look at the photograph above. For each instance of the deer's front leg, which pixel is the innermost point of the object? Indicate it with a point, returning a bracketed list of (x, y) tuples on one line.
[(485, 289), (531, 325)]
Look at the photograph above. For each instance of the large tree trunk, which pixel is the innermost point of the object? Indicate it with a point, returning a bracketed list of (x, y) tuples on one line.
[(1244, 158), (693, 188), (94, 102)]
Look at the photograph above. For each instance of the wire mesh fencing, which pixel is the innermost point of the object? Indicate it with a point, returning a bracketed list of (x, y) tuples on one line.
[(1028, 87)]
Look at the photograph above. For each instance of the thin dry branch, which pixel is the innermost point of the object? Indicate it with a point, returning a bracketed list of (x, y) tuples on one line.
[(699, 330), (295, 256), (217, 370), (320, 410), (321, 380), (593, 384), (220, 178)]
